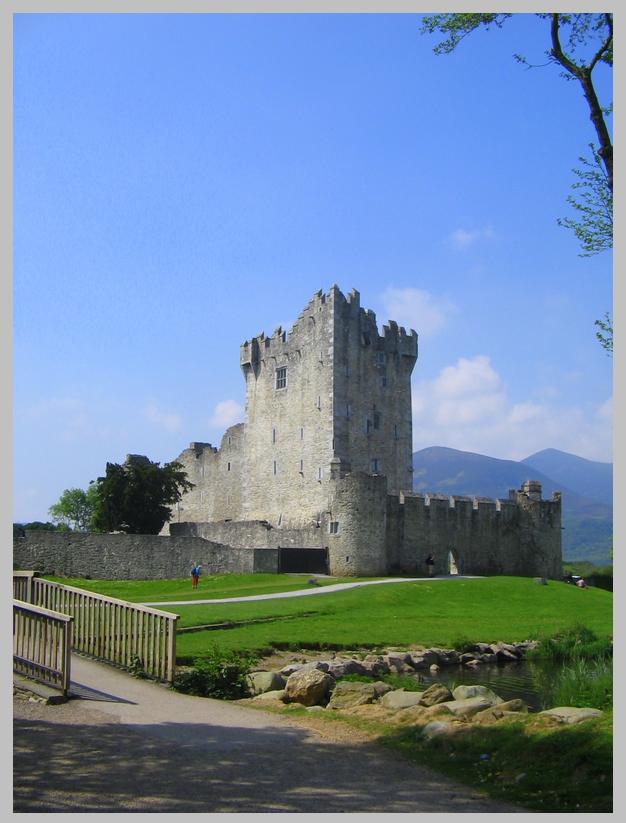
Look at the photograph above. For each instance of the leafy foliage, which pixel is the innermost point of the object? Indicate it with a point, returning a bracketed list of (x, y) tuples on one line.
[(136, 497), (221, 674), (37, 525), (74, 508), (573, 644), (594, 226), (605, 335)]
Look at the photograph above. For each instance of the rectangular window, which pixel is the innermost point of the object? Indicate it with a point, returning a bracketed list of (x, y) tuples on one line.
[(347, 411), (376, 420), (228, 469), (381, 357), (375, 465), (319, 402), (302, 467), (273, 435), (281, 377), (383, 382), (368, 426), (319, 473), (333, 527), (395, 431), (274, 469)]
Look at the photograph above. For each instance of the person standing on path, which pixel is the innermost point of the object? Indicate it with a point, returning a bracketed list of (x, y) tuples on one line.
[(430, 563), (195, 576)]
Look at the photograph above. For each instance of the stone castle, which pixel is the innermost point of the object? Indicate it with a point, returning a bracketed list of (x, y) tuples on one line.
[(322, 465)]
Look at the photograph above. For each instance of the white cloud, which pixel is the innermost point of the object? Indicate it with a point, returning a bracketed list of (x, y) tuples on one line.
[(464, 238), (416, 309), (468, 407), (170, 421), (226, 413)]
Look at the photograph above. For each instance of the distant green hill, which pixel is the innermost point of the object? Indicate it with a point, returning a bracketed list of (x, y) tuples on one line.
[(587, 522)]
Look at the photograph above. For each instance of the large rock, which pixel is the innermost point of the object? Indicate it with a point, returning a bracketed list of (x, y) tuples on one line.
[(464, 692), (308, 686), (446, 657), (571, 714), (507, 708), (261, 682), (342, 666), (422, 660), (401, 699), (436, 727), (375, 665), (346, 695), (469, 707), (268, 696), (437, 693)]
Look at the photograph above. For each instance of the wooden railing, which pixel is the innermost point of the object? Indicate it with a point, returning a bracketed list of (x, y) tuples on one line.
[(120, 632), (42, 642), (22, 585)]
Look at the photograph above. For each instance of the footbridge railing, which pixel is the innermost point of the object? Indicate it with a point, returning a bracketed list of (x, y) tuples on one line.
[(117, 631), (42, 642)]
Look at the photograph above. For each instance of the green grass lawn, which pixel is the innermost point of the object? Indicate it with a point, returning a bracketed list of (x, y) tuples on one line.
[(209, 587), (438, 613), (428, 613)]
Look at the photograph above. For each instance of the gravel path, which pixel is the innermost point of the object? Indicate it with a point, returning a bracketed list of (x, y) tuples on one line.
[(127, 745), (333, 587)]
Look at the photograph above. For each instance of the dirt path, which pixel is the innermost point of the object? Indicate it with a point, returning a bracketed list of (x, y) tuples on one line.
[(129, 745)]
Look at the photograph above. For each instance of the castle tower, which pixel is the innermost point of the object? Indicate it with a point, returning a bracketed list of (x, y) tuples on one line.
[(332, 390)]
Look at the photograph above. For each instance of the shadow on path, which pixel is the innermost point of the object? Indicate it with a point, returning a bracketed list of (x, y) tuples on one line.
[(103, 766)]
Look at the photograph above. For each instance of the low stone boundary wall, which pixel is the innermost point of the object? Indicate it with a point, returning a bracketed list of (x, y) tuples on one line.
[(133, 556)]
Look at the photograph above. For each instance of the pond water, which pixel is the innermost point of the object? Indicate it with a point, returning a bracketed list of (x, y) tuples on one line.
[(508, 680)]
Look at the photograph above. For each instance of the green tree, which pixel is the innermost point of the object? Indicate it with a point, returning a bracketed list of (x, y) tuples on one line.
[(74, 508), (579, 43), (136, 497)]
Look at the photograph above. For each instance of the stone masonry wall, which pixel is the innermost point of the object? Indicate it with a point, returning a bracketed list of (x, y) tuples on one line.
[(372, 394), (132, 556), (288, 428)]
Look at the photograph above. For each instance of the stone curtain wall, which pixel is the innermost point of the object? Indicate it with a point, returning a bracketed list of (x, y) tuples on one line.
[(255, 534), (132, 556), (217, 475), (379, 533)]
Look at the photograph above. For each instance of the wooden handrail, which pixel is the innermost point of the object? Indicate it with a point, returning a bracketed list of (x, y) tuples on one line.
[(42, 643), (111, 629)]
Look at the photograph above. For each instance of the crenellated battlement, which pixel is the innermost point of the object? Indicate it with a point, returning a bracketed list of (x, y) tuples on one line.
[(282, 344)]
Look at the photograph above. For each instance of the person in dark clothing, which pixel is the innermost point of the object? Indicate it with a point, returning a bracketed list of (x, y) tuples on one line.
[(430, 563)]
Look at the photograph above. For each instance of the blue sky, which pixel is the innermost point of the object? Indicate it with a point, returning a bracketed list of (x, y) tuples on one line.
[(183, 182)]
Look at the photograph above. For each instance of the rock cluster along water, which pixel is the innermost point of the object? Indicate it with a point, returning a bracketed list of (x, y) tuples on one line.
[(318, 685)]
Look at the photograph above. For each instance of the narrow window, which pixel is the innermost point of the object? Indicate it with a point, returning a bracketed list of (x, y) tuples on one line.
[(347, 411), (319, 402), (301, 434), (319, 473), (274, 467), (383, 382), (368, 426), (273, 435), (381, 357), (395, 431), (333, 527), (228, 469), (376, 420), (281, 377), (302, 467), (375, 465)]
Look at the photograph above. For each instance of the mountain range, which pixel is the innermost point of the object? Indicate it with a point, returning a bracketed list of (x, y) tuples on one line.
[(586, 487)]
